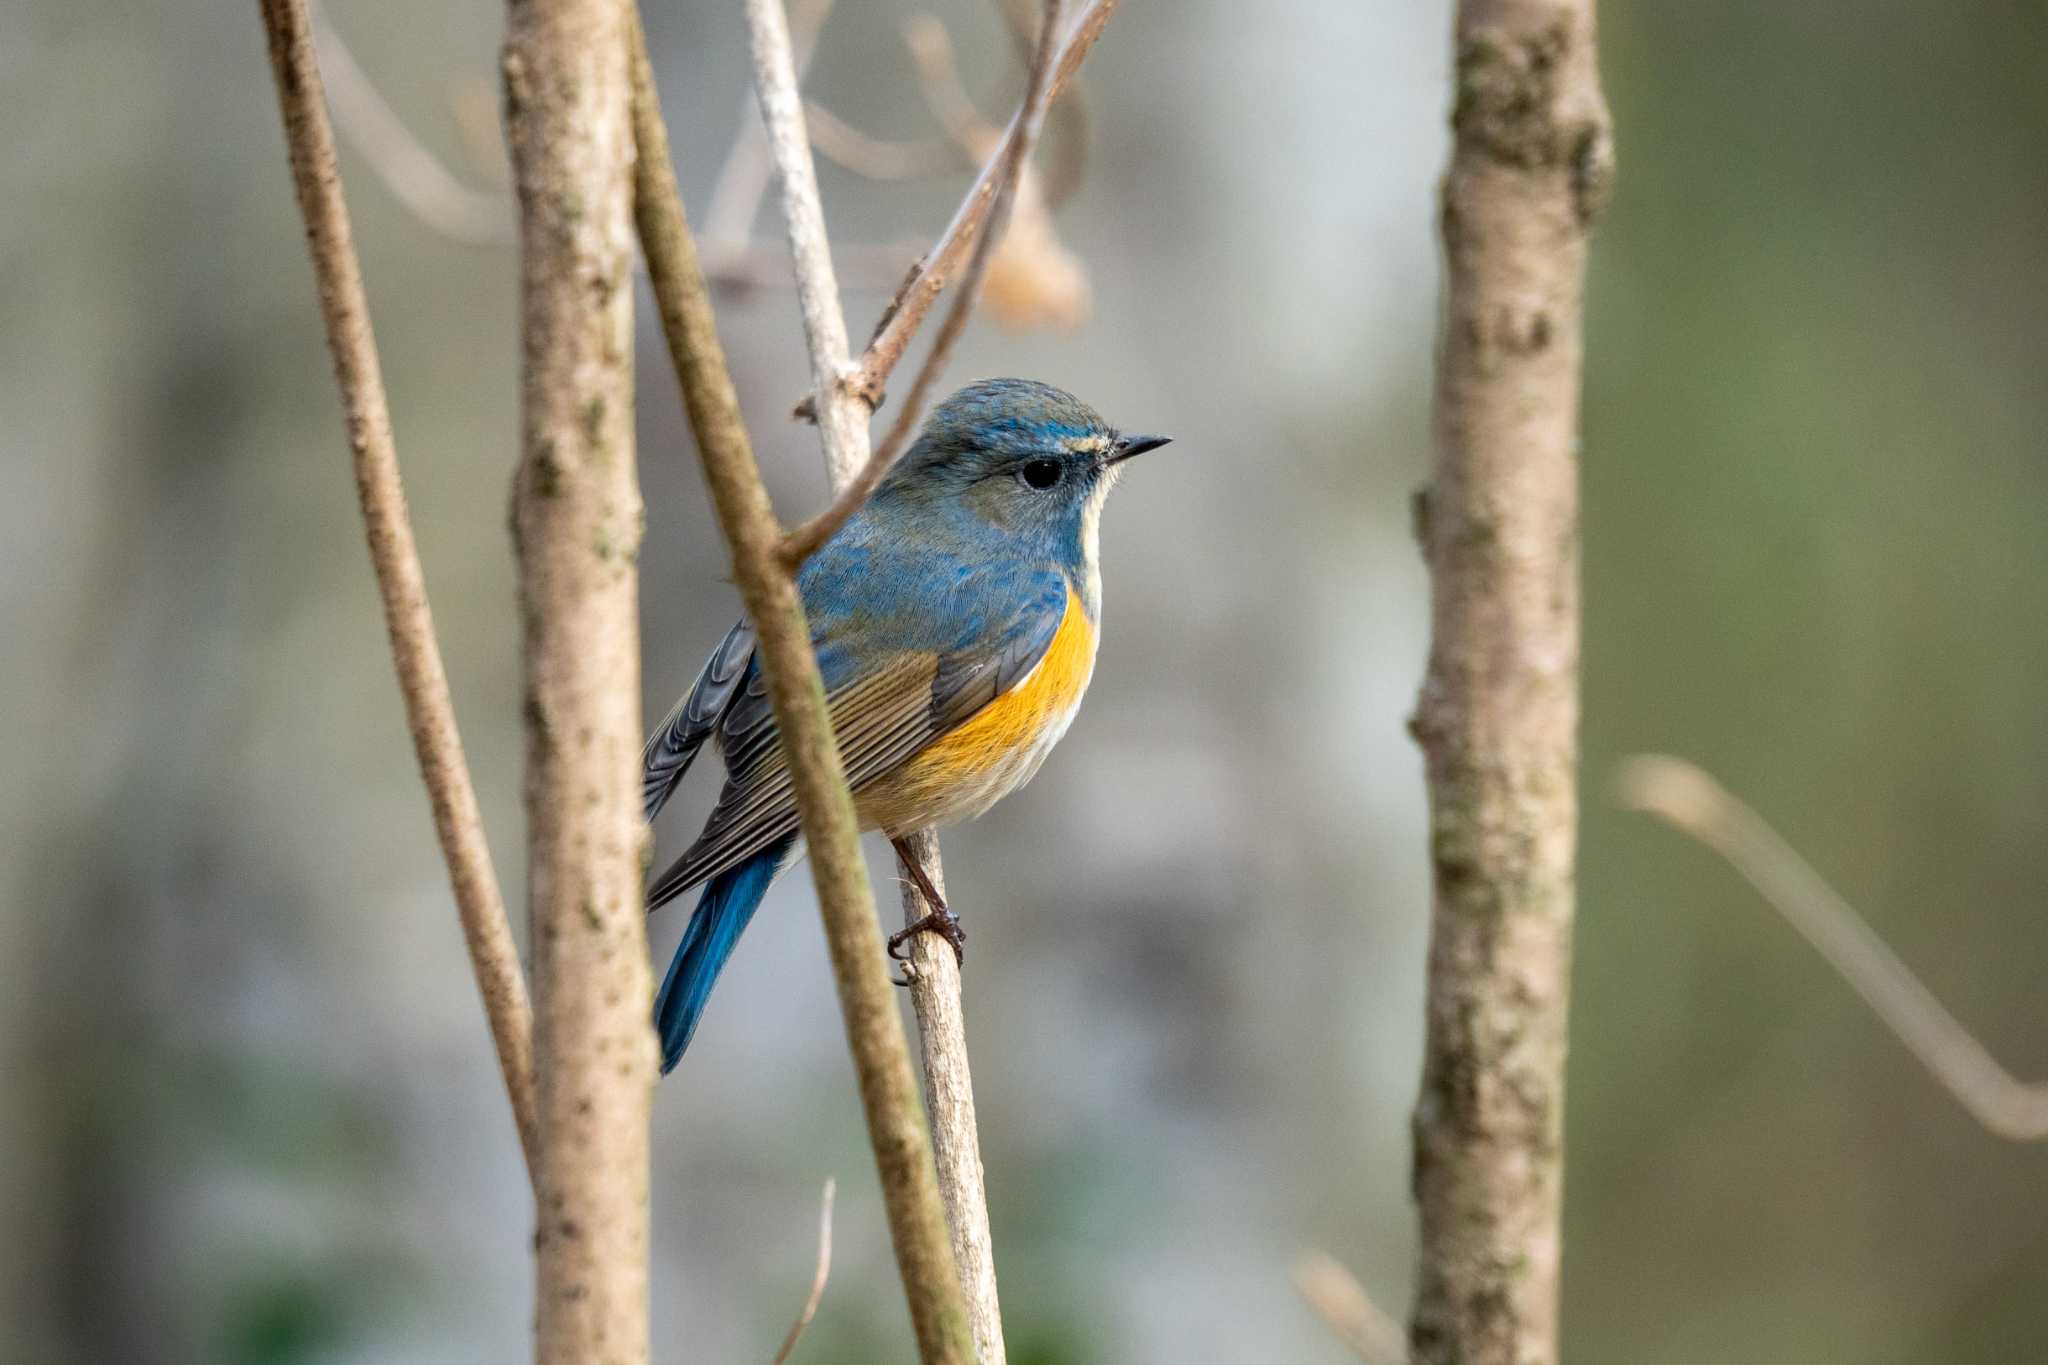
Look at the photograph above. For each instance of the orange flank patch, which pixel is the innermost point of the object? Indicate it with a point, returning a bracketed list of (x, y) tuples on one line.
[(1013, 721), (973, 766)]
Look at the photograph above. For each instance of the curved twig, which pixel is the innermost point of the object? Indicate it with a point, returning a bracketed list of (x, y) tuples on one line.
[(986, 205), (1690, 801), (414, 175), (875, 158), (906, 312), (1342, 1303), (818, 1278), (938, 78), (1037, 99), (743, 179)]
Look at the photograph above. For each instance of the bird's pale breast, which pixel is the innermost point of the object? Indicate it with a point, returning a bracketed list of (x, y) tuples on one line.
[(969, 769)]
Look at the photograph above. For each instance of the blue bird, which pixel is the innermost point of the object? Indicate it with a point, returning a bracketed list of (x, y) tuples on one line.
[(955, 618)]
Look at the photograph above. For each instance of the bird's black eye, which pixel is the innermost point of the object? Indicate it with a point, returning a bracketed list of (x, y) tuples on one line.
[(1042, 474)]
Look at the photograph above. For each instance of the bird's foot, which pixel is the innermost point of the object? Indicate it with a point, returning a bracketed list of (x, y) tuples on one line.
[(942, 922)]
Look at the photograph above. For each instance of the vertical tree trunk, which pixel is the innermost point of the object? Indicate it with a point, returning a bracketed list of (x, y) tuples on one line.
[(1498, 715), (577, 521)]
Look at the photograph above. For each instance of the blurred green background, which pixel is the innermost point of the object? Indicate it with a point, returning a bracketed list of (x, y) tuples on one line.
[(247, 1106)]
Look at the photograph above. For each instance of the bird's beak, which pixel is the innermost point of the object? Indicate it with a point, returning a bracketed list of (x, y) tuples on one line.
[(1128, 446)]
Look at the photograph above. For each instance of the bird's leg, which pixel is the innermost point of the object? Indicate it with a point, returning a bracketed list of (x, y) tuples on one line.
[(940, 921)]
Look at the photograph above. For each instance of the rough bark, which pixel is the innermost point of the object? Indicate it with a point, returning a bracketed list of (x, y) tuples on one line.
[(577, 520), (1498, 715), (415, 649)]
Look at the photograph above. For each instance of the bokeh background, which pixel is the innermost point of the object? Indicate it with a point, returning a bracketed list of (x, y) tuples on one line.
[(247, 1107)]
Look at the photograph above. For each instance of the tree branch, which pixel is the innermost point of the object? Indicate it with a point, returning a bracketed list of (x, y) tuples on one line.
[(989, 201), (842, 418), (938, 77), (896, 1126), (1693, 803), (935, 994), (1498, 714), (435, 195), (1016, 152), (933, 970), (743, 179), (1342, 1303), (414, 175), (818, 1277), (930, 276), (875, 158), (577, 521), (415, 649)]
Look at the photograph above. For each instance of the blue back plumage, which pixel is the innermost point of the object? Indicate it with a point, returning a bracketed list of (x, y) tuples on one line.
[(725, 908)]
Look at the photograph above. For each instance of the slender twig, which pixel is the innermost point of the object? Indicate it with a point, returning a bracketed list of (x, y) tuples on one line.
[(1066, 127), (843, 424), (1498, 715), (1693, 803), (1000, 179), (743, 179), (577, 521), (874, 1030), (1342, 1303), (415, 649), (434, 194), (843, 427), (874, 158), (906, 313), (933, 970), (935, 994), (414, 175), (1037, 98), (930, 276), (818, 1278), (938, 77)]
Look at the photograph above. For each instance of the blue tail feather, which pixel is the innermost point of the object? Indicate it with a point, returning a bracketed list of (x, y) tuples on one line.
[(722, 914)]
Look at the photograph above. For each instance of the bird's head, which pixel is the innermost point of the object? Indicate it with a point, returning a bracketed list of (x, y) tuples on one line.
[(1023, 459)]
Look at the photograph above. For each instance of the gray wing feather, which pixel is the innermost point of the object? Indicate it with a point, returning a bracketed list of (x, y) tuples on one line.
[(881, 722), (674, 744)]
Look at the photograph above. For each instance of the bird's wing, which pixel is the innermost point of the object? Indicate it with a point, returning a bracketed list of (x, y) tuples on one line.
[(883, 712), (674, 744)]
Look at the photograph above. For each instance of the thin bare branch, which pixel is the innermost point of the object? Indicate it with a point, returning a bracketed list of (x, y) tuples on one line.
[(874, 1030), (414, 175), (434, 194), (876, 158), (1006, 168), (935, 994), (824, 1271), (844, 426), (1692, 802), (1037, 98), (415, 649), (1341, 1301), (743, 179), (938, 77), (906, 312)]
